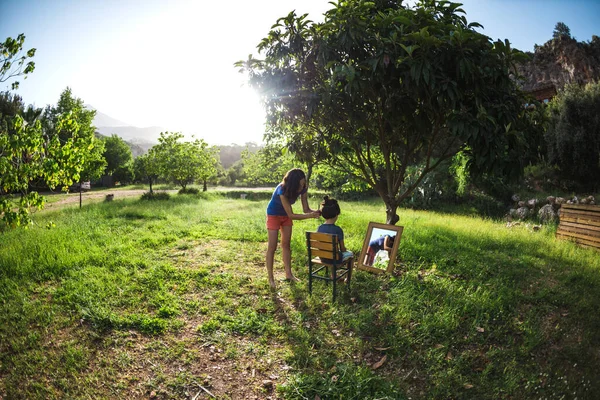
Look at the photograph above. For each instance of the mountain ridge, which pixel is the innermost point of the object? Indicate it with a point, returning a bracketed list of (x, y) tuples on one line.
[(561, 61)]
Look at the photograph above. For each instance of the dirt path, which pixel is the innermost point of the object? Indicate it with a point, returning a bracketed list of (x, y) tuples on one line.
[(87, 197), (96, 196)]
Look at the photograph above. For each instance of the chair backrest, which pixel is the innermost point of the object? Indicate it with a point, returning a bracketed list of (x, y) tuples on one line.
[(323, 245)]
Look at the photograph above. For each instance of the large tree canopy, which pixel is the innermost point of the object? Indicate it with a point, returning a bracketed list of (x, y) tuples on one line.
[(379, 87)]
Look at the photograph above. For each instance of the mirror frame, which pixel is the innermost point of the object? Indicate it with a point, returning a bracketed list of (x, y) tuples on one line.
[(394, 252)]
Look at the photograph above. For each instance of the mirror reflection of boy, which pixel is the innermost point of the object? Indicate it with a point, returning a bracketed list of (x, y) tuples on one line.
[(330, 210), (381, 243)]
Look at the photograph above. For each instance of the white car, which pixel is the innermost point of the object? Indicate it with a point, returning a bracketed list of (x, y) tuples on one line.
[(84, 186)]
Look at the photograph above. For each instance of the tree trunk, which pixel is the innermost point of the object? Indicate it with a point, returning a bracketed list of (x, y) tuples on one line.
[(390, 201), (204, 188), (391, 207), (150, 181), (309, 172)]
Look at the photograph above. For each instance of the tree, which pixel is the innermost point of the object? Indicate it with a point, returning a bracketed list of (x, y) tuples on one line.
[(185, 162), (561, 30), (124, 174), (573, 136), (210, 164), (12, 62), (95, 162), (146, 168), (117, 154), (379, 87), (81, 133), (55, 152)]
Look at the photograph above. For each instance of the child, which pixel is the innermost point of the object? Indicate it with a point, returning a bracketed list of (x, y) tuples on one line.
[(280, 216), (330, 210)]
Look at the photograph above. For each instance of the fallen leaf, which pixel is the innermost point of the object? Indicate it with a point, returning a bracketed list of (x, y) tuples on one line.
[(439, 346), (379, 363), (317, 397), (468, 386), (480, 329), (382, 348)]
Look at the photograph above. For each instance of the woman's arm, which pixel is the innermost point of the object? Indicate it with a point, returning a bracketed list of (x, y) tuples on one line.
[(305, 207), (288, 209)]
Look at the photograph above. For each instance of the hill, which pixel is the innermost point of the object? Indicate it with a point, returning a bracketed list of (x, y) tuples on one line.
[(561, 61), (145, 138), (104, 120), (139, 139)]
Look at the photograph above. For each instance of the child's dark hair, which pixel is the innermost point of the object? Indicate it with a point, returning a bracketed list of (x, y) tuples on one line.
[(329, 208), (291, 183)]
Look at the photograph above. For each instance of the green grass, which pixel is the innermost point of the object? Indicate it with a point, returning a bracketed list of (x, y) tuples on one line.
[(131, 298)]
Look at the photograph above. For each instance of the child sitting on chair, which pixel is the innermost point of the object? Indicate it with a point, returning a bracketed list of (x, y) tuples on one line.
[(330, 210)]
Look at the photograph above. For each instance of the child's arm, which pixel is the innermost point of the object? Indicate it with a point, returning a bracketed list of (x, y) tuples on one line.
[(342, 246)]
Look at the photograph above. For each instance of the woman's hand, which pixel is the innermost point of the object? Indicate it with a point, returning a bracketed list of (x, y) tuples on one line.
[(315, 214)]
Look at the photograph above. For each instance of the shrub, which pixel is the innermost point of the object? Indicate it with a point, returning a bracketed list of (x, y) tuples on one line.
[(156, 196), (573, 136), (188, 191), (437, 186)]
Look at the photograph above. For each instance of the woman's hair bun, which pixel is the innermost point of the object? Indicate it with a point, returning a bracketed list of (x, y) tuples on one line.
[(326, 198)]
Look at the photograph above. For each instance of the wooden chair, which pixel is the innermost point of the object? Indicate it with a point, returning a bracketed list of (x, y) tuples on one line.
[(323, 254)]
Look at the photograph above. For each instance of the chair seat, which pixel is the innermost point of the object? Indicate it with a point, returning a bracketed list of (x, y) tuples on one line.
[(317, 260)]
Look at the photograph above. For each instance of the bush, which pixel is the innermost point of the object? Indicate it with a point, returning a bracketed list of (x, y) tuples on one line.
[(437, 186), (156, 196), (542, 176), (188, 191), (573, 136)]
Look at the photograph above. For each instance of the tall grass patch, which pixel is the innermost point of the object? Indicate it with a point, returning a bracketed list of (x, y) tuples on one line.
[(150, 296)]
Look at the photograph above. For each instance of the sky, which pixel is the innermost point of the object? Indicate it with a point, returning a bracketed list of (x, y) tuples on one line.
[(170, 63)]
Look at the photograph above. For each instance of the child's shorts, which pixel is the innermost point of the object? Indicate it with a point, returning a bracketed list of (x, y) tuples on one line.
[(347, 254), (275, 222)]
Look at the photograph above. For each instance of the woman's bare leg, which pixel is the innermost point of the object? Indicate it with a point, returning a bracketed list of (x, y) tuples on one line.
[(272, 246), (286, 252)]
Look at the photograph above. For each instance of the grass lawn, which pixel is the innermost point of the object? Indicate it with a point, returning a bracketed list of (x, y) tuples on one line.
[(169, 299)]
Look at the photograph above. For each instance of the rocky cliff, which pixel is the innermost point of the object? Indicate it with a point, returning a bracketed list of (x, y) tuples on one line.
[(560, 61)]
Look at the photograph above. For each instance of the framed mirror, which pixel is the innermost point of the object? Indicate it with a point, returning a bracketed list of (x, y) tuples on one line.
[(380, 248)]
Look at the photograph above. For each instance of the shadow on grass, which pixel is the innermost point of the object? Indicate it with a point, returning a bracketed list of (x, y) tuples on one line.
[(473, 316)]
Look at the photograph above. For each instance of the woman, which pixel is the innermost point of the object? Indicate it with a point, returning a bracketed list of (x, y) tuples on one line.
[(280, 216), (382, 243)]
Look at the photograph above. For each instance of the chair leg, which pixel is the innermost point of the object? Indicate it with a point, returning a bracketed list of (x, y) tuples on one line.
[(334, 280), (349, 274), (310, 276)]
